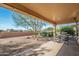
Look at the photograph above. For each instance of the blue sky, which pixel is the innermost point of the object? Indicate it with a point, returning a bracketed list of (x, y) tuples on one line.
[(6, 21)]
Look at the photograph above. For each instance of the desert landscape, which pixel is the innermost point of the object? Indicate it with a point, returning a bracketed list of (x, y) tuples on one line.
[(28, 46)]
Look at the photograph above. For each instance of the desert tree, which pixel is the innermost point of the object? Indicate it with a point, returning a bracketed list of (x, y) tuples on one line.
[(27, 21)]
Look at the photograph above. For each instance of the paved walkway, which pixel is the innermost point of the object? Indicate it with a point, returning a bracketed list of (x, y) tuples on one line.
[(71, 49)]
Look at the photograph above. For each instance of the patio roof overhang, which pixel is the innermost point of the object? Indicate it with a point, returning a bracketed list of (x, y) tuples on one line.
[(56, 13)]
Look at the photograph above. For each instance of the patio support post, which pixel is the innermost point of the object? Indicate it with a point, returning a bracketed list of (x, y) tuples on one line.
[(77, 29), (55, 31), (76, 21)]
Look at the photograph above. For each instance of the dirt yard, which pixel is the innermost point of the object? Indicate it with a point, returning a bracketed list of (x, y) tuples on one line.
[(14, 45), (28, 46)]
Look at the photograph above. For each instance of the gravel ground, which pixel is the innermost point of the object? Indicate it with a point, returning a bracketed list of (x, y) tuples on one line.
[(18, 45), (26, 46)]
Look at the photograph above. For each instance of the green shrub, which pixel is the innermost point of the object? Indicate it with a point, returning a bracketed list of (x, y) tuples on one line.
[(68, 29), (1, 30), (47, 34)]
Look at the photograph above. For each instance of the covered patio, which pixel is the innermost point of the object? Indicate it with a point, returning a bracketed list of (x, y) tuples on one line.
[(54, 13)]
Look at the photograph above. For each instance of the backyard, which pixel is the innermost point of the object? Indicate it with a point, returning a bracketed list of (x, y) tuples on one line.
[(24, 46), (29, 30)]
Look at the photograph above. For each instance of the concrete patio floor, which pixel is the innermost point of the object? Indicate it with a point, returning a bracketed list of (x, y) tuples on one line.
[(71, 49)]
